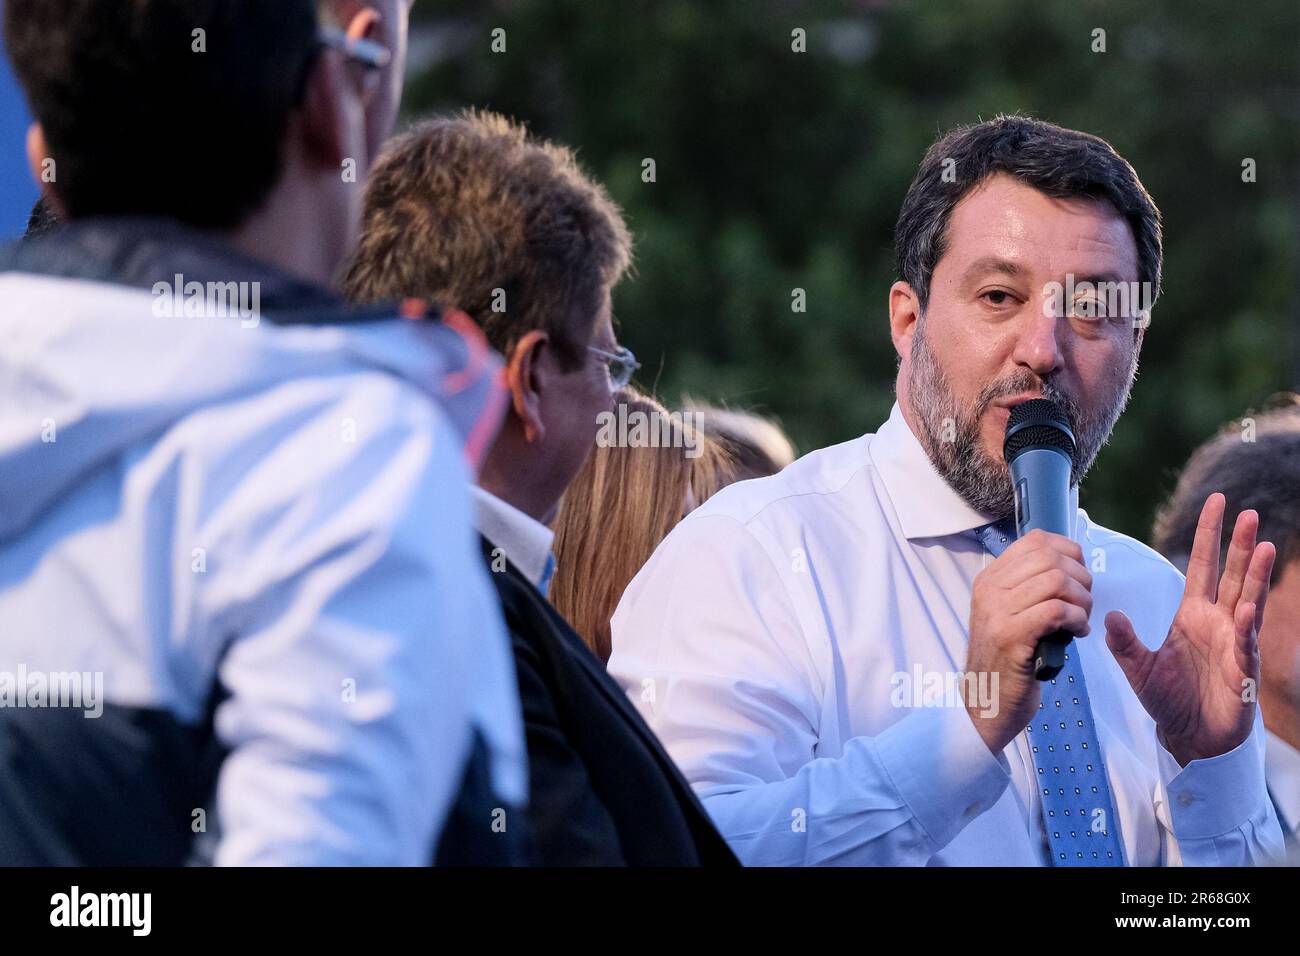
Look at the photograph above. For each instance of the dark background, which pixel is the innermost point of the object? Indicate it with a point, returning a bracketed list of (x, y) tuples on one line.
[(779, 170)]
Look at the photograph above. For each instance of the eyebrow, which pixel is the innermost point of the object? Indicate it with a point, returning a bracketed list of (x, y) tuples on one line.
[(989, 264)]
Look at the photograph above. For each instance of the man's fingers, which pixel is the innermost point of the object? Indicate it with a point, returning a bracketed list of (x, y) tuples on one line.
[(1246, 648), (1037, 540), (1134, 657), (1255, 588), (1055, 583), (1055, 615), (1240, 550), (1027, 565), (1203, 565)]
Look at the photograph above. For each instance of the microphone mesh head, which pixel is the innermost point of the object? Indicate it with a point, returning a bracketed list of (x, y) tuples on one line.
[(1037, 423)]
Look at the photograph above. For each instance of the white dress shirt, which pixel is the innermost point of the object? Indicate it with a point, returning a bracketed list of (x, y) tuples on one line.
[(770, 639), (1282, 766), (524, 540)]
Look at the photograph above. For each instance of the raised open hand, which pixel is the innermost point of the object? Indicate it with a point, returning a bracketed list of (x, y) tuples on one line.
[(1199, 686)]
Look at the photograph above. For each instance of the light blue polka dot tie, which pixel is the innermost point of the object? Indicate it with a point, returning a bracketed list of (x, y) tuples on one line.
[(1078, 813)]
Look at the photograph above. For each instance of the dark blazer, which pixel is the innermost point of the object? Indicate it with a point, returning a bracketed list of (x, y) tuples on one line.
[(602, 790)]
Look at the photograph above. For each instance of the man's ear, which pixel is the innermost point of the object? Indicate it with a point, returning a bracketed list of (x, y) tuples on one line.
[(904, 313), (525, 378), (358, 18), (38, 152)]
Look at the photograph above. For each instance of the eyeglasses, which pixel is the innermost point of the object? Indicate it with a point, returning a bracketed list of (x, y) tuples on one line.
[(622, 365), (365, 56)]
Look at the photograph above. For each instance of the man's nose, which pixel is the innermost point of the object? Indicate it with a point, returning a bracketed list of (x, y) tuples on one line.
[(1039, 348)]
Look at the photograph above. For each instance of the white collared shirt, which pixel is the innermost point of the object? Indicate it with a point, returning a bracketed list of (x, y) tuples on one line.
[(770, 639), (1282, 765), (525, 541)]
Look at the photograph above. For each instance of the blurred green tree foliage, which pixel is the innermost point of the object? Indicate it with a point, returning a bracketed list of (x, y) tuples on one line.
[(778, 170)]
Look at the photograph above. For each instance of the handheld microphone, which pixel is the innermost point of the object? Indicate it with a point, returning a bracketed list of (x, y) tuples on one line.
[(1039, 449)]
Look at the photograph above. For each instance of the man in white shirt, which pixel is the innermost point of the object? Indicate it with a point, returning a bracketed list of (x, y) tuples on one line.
[(840, 657), (1255, 461)]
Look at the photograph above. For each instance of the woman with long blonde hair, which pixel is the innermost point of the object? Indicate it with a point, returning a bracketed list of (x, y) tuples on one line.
[(630, 493)]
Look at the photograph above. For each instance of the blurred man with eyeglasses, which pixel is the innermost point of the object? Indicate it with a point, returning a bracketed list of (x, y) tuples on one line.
[(471, 212), (245, 620)]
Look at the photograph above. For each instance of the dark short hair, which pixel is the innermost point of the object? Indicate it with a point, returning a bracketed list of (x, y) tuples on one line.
[(463, 206), (140, 123), (1059, 162), (1263, 474)]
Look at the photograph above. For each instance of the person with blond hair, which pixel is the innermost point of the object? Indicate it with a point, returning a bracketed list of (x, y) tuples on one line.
[(625, 500)]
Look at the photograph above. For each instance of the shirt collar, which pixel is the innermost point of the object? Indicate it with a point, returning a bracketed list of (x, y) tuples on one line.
[(926, 505), (1282, 763), (525, 540)]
